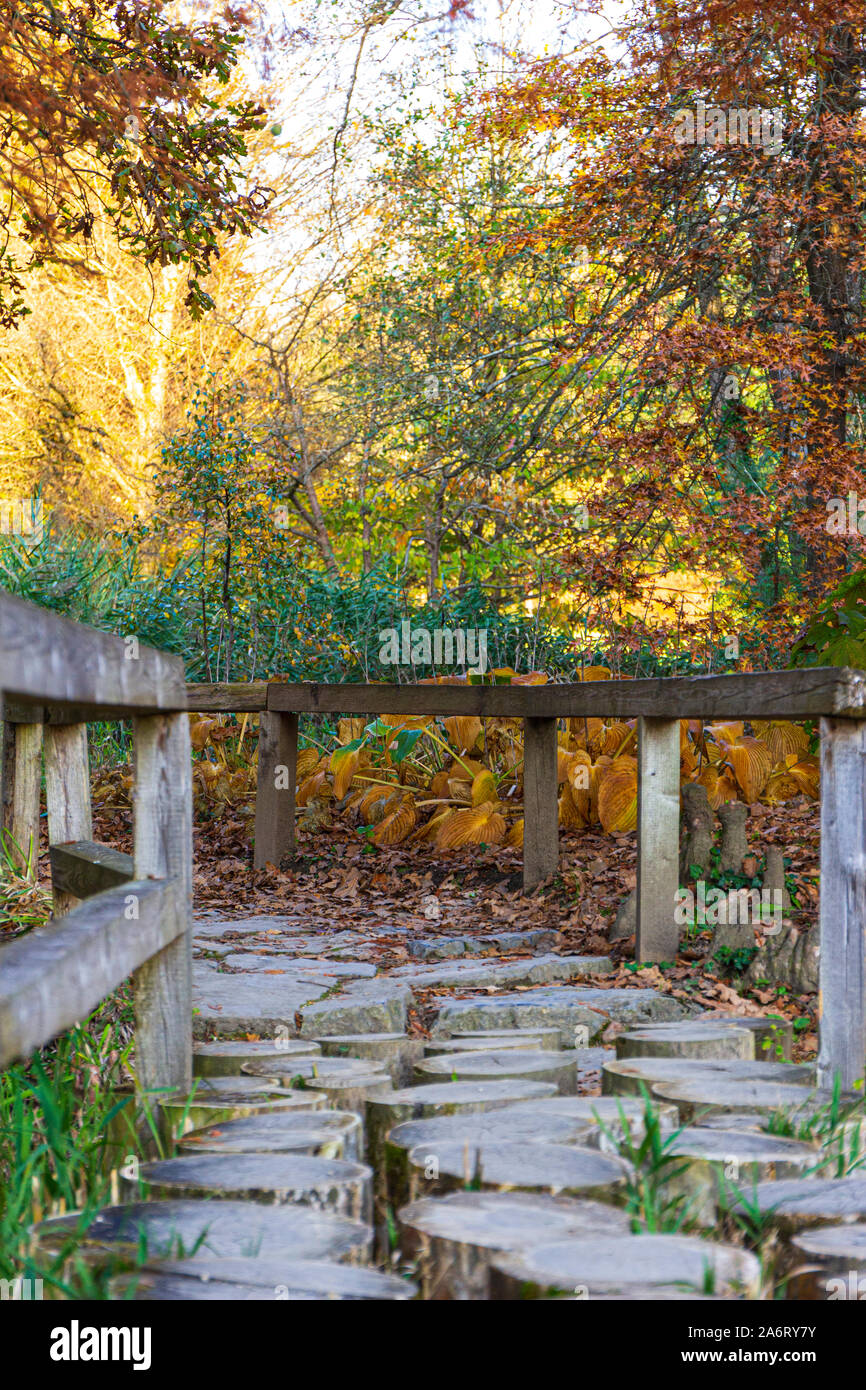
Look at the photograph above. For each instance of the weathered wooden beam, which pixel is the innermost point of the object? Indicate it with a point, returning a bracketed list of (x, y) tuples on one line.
[(67, 795), (275, 788), (232, 697), (658, 830), (52, 978), (540, 804), (83, 868), (797, 694), (44, 658), (163, 849), (842, 959), (22, 784)]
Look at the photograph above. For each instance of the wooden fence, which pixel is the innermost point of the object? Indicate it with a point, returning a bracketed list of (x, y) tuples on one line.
[(55, 675), (72, 674)]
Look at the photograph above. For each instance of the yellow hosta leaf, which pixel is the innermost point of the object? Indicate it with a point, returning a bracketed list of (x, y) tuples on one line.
[(406, 721), (531, 678), (344, 763), (315, 785), (781, 787), (308, 762), (594, 673), (584, 730), (484, 788), (752, 765), (460, 790), (439, 785), (350, 729), (720, 785), (564, 761), (781, 737), (571, 816), (618, 739), (514, 838), (373, 804), (394, 827), (476, 825), (617, 795), (431, 829), (726, 732), (463, 731), (806, 773), (200, 731)]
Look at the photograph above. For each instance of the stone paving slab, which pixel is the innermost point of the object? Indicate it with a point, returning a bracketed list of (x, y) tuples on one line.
[(540, 971), (363, 1006), (565, 1008), (248, 1003)]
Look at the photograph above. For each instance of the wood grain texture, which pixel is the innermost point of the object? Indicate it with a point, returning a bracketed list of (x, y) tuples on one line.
[(84, 868), (540, 805), (67, 795), (53, 978), (163, 849), (22, 786), (46, 658), (229, 697), (658, 838), (275, 789), (842, 1001), (760, 695)]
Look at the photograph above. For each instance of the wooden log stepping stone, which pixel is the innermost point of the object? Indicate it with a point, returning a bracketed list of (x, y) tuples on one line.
[(558, 1068), (426, 1103), (717, 1094), (245, 1280), (590, 1266), (328, 1184), (685, 1040), (835, 1264), (609, 1118), (502, 1164), (226, 1058), (522, 1044), (793, 1205), (451, 1239), (627, 1078), (180, 1114), (396, 1052), (191, 1230), (321, 1134), (287, 1070), (774, 1037), (507, 1123), (549, 1039), (705, 1165), (347, 1082)]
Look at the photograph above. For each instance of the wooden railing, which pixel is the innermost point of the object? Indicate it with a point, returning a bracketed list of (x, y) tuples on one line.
[(833, 697), (56, 675)]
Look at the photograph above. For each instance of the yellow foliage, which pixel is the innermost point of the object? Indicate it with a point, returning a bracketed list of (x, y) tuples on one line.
[(484, 788), (617, 795), (463, 731), (397, 824), (475, 826)]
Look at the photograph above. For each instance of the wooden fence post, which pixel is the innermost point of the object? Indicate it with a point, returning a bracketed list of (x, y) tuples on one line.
[(22, 782), (275, 788), (842, 960), (658, 833), (67, 794), (163, 849), (540, 802)]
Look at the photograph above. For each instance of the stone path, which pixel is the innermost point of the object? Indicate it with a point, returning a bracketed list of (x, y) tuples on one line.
[(490, 1121)]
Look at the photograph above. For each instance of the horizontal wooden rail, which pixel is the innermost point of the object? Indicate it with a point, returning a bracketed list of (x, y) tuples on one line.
[(53, 978), (232, 697), (82, 868), (802, 694), (45, 659)]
